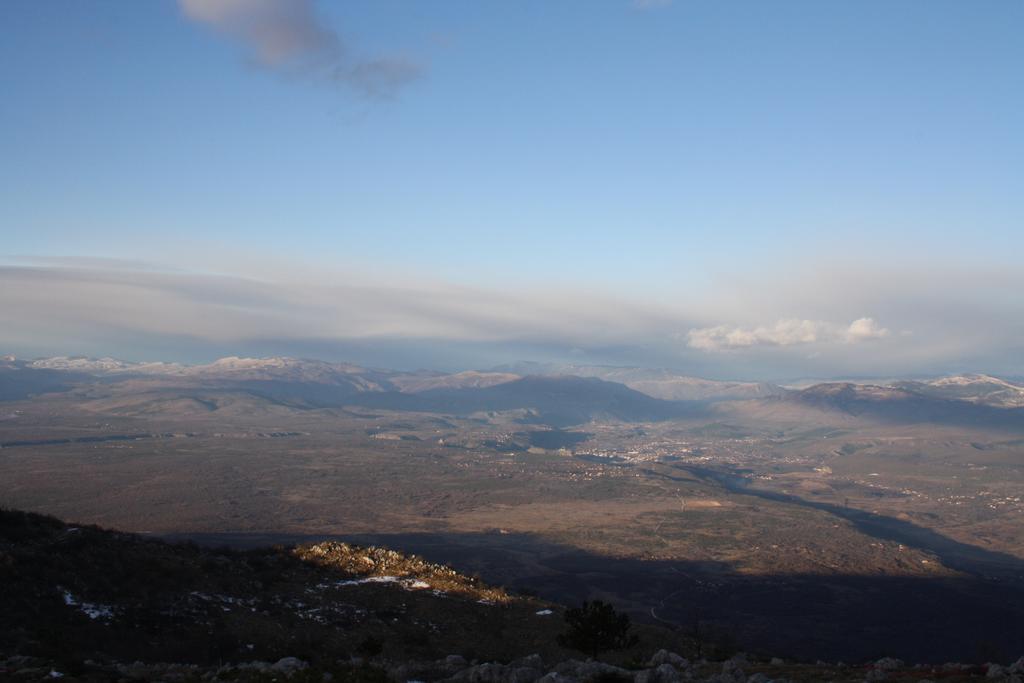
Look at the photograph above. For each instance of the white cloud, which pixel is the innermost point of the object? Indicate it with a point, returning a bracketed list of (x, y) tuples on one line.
[(288, 35), (785, 332), (864, 329)]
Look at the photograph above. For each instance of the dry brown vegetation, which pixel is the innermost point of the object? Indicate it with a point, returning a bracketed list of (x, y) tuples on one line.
[(625, 513), (358, 561)]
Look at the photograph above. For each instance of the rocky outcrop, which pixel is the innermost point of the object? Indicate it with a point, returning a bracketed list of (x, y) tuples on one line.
[(663, 667)]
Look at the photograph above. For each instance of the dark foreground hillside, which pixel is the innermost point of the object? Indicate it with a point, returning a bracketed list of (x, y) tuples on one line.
[(83, 603), (72, 592)]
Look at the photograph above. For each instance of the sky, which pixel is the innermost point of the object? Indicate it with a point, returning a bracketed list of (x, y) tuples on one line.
[(762, 190)]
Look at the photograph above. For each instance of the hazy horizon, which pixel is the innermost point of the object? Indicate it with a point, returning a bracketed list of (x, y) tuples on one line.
[(522, 367), (731, 190)]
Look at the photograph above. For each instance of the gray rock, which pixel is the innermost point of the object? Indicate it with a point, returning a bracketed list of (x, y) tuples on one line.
[(732, 670), (136, 670), (888, 664), (591, 670), (664, 673), (554, 678), (609, 670), (529, 661), (525, 674), (997, 672), (665, 657), (404, 672), (289, 665), (569, 667), (494, 672), (488, 672)]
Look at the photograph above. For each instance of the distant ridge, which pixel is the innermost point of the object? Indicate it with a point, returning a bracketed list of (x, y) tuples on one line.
[(898, 404), (559, 395), (238, 384), (657, 383), (975, 388)]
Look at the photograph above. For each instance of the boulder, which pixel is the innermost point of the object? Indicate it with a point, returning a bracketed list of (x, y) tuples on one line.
[(250, 666), (554, 678), (524, 674), (529, 661), (664, 673), (569, 667), (590, 670), (455, 662), (732, 670), (494, 672), (997, 672), (289, 665), (665, 657), (417, 671), (488, 672), (888, 664)]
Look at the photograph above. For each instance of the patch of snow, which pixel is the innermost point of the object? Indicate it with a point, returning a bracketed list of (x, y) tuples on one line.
[(407, 584), (79, 363), (226, 601), (89, 609), (544, 613), (368, 579)]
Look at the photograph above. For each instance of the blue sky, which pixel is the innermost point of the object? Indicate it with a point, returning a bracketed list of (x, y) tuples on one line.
[(701, 165)]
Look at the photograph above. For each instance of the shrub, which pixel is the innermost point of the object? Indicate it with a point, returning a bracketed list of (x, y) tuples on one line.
[(596, 627)]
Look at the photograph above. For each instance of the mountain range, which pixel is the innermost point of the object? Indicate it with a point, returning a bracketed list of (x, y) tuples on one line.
[(557, 395)]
